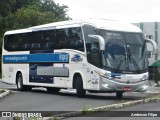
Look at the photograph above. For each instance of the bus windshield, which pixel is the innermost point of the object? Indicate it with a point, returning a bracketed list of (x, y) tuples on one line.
[(124, 51)]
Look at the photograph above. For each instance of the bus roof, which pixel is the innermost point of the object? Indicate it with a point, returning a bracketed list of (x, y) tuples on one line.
[(114, 25), (99, 23)]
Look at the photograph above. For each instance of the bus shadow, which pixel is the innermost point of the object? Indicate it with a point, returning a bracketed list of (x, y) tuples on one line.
[(93, 96), (105, 96)]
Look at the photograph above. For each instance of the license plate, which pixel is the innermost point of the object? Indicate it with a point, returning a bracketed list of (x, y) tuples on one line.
[(127, 88)]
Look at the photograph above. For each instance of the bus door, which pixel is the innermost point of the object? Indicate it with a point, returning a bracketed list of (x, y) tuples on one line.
[(94, 60)]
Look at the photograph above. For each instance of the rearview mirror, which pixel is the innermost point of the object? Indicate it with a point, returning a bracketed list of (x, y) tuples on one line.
[(154, 44), (100, 40)]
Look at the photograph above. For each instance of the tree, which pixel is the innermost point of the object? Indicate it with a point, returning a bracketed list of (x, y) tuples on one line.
[(29, 16), (11, 6), (51, 6), (16, 14)]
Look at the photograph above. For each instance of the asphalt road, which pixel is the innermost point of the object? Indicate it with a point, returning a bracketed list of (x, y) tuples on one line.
[(39, 100), (149, 109)]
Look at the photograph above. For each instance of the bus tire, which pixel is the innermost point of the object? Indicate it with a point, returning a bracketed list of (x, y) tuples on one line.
[(119, 95), (28, 88), (52, 90), (79, 87), (19, 82)]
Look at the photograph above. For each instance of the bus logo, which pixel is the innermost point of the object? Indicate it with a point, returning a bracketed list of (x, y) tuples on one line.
[(76, 58)]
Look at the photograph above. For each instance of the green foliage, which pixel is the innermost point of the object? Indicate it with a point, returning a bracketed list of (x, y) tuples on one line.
[(11, 6), (29, 16), (85, 109), (17, 14), (1, 91), (156, 76), (156, 97), (0, 65)]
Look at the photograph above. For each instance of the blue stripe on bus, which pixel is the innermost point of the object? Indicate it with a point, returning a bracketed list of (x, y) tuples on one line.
[(117, 75), (37, 58)]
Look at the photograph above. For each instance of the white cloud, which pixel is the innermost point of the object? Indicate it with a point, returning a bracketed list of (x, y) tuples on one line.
[(123, 10)]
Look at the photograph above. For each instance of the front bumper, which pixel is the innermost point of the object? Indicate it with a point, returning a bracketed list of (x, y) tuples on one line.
[(114, 86)]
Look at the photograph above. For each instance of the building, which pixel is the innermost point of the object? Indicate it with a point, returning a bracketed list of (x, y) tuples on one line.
[(151, 31)]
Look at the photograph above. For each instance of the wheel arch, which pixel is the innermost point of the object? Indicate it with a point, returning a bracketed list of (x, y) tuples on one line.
[(17, 73), (76, 74)]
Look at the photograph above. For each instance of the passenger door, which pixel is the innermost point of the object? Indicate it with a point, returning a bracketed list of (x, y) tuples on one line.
[(94, 59)]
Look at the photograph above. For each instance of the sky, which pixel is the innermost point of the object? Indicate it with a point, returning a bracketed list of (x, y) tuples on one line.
[(121, 10)]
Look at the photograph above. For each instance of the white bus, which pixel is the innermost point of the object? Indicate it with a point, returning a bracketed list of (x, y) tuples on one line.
[(99, 56)]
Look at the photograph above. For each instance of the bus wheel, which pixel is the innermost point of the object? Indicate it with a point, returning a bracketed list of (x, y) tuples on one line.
[(119, 94), (52, 90), (79, 87), (28, 88), (19, 82)]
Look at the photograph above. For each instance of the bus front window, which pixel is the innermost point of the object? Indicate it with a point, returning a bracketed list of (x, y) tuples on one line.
[(124, 51)]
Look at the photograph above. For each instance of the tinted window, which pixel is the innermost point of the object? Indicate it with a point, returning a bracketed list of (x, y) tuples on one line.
[(69, 38), (22, 42)]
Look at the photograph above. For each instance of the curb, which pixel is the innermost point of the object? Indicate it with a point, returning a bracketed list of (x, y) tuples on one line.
[(103, 108), (2, 95)]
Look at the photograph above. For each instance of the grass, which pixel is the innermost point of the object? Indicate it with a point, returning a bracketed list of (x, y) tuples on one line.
[(1, 91), (0, 75), (85, 109), (156, 97)]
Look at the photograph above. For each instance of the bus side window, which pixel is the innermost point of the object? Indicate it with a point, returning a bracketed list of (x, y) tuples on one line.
[(50, 45), (14, 47), (35, 46), (75, 39), (49, 40), (27, 46)]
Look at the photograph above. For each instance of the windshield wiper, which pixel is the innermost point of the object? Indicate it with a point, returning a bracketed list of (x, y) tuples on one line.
[(130, 56), (120, 62), (143, 48)]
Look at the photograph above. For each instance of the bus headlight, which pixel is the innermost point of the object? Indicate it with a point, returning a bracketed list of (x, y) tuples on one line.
[(144, 87), (105, 75), (144, 78)]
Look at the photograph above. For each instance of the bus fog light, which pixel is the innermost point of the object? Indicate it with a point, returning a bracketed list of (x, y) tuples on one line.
[(144, 87)]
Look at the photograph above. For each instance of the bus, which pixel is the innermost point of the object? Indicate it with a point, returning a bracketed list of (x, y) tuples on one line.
[(93, 55)]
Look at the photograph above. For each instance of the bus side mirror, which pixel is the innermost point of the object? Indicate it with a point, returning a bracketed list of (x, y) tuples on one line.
[(100, 40), (154, 44)]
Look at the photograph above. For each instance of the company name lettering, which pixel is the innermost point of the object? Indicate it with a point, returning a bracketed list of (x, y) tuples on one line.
[(16, 58)]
